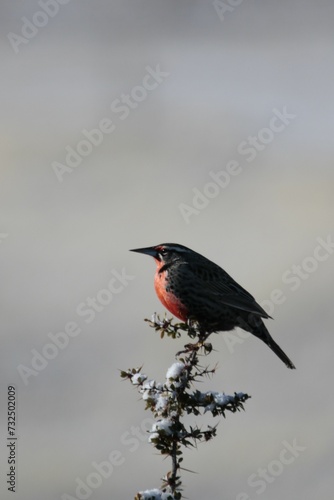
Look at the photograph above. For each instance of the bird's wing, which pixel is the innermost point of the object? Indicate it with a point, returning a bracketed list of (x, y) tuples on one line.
[(216, 284)]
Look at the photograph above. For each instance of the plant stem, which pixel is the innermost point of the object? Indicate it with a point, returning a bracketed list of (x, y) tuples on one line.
[(175, 466)]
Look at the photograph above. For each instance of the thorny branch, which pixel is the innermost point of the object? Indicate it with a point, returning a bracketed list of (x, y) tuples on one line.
[(170, 400)]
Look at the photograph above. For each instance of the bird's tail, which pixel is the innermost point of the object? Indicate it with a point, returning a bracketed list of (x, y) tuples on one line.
[(279, 352), (259, 330)]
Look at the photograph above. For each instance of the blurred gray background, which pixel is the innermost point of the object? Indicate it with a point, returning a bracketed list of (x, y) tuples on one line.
[(63, 235)]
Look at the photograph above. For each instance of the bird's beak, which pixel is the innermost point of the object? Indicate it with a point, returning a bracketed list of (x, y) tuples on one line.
[(148, 251)]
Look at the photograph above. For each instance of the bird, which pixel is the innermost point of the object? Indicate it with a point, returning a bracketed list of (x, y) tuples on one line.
[(193, 288)]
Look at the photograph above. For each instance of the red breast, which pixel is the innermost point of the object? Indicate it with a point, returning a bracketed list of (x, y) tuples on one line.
[(168, 299)]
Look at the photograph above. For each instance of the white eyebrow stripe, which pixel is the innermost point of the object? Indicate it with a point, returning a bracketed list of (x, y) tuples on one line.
[(176, 248)]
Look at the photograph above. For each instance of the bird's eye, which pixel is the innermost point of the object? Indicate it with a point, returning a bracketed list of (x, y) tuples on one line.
[(162, 252)]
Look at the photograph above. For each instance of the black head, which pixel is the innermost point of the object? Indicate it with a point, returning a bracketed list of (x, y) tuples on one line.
[(165, 252)]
